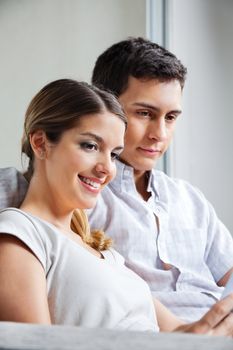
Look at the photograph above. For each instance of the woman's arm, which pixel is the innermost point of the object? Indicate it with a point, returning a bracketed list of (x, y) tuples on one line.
[(23, 294), (167, 321)]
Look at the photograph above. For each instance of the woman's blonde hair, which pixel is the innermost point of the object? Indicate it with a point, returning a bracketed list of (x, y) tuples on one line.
[(57, 108), (96, 239)]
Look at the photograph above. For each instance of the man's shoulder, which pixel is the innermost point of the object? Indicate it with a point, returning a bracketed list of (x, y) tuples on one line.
[(175, 186), (11, 178), (13, 187), (160, 176), (160, 182), (9, 171)]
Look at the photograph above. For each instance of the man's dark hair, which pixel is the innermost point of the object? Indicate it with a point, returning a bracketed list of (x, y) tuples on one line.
[(139, 58)]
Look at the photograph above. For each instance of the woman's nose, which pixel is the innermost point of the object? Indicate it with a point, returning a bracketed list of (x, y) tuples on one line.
[(105, 165)]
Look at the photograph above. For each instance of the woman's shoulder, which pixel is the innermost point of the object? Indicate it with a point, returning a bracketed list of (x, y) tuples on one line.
[(24, 227), (113, 256), (13, 214)]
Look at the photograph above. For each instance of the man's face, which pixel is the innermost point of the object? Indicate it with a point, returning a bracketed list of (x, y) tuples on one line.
[(152, 108)]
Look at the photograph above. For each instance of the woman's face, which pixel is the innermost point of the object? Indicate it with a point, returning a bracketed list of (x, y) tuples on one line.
[(83, 162)]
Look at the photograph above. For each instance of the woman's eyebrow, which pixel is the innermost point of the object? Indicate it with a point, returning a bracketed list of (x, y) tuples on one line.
[(100, 139), (92, 135)]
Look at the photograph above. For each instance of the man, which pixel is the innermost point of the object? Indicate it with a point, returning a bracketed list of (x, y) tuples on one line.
[(150, 215), (167, 231)]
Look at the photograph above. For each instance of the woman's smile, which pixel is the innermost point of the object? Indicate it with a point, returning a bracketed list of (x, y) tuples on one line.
[(91, 184)]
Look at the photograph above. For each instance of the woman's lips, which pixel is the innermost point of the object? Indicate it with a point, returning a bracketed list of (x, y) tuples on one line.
[(91, 184)]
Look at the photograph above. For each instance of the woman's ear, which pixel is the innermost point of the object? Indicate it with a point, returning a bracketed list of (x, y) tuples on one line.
[(38, 143)]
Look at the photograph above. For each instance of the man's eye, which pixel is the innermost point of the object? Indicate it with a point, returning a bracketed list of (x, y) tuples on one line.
[(171, 118), (89, 146), (115, 156)]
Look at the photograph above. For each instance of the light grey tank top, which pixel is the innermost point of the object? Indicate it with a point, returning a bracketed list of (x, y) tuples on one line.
[(83, 290)]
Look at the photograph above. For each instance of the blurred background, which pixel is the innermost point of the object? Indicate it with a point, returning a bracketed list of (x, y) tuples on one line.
[(50, 39)]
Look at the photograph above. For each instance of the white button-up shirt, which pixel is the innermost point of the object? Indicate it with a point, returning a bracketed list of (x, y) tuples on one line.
[(178, 228), (13, 187)]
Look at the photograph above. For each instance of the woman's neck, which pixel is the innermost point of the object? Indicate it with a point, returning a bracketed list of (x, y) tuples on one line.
[(41, 202)]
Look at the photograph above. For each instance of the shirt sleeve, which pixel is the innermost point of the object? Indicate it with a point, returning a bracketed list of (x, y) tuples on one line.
[(13, 187), (18, 224), (219, 248)]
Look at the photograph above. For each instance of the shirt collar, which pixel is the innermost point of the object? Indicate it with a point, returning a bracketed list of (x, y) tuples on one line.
[(125, 178), (153, 183)]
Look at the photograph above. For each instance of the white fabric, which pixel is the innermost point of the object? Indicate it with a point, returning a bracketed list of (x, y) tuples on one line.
[(83, 290), (13, 187), (189, 237)]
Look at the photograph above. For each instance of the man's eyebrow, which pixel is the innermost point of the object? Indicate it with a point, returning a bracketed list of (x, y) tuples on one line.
[(119, 148), (176, 111), (154, 108), (146, 105)]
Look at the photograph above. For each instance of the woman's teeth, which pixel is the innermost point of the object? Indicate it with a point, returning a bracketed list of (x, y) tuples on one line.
[(90, 182)]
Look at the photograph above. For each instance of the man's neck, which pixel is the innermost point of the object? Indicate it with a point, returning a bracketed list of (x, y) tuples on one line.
[(141, 183)]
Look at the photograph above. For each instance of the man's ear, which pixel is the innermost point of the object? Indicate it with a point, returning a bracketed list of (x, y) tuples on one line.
[(38, 141)]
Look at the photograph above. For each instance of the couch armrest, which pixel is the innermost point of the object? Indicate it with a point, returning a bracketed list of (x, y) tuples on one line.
[(29, 336)]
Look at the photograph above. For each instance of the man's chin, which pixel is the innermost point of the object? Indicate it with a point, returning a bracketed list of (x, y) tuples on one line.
[(146, 166), (142, 165)]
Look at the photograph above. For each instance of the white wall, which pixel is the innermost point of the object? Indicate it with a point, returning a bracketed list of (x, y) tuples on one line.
[(201, 34), (51, 39)]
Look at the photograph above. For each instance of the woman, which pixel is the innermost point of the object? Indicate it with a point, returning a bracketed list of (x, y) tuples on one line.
[(52, 270)]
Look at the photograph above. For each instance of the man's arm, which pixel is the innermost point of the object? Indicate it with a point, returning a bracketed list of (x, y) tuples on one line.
[(217, 321), (222, 282), (219, 248)]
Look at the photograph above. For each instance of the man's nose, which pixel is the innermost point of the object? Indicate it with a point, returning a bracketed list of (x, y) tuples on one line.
[(157, 130)]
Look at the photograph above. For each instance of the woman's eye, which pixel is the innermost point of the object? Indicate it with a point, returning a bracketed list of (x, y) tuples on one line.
[(144, 113), (89, 146)]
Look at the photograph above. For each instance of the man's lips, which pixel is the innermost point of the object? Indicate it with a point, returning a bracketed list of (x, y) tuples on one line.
[(150, 151)]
